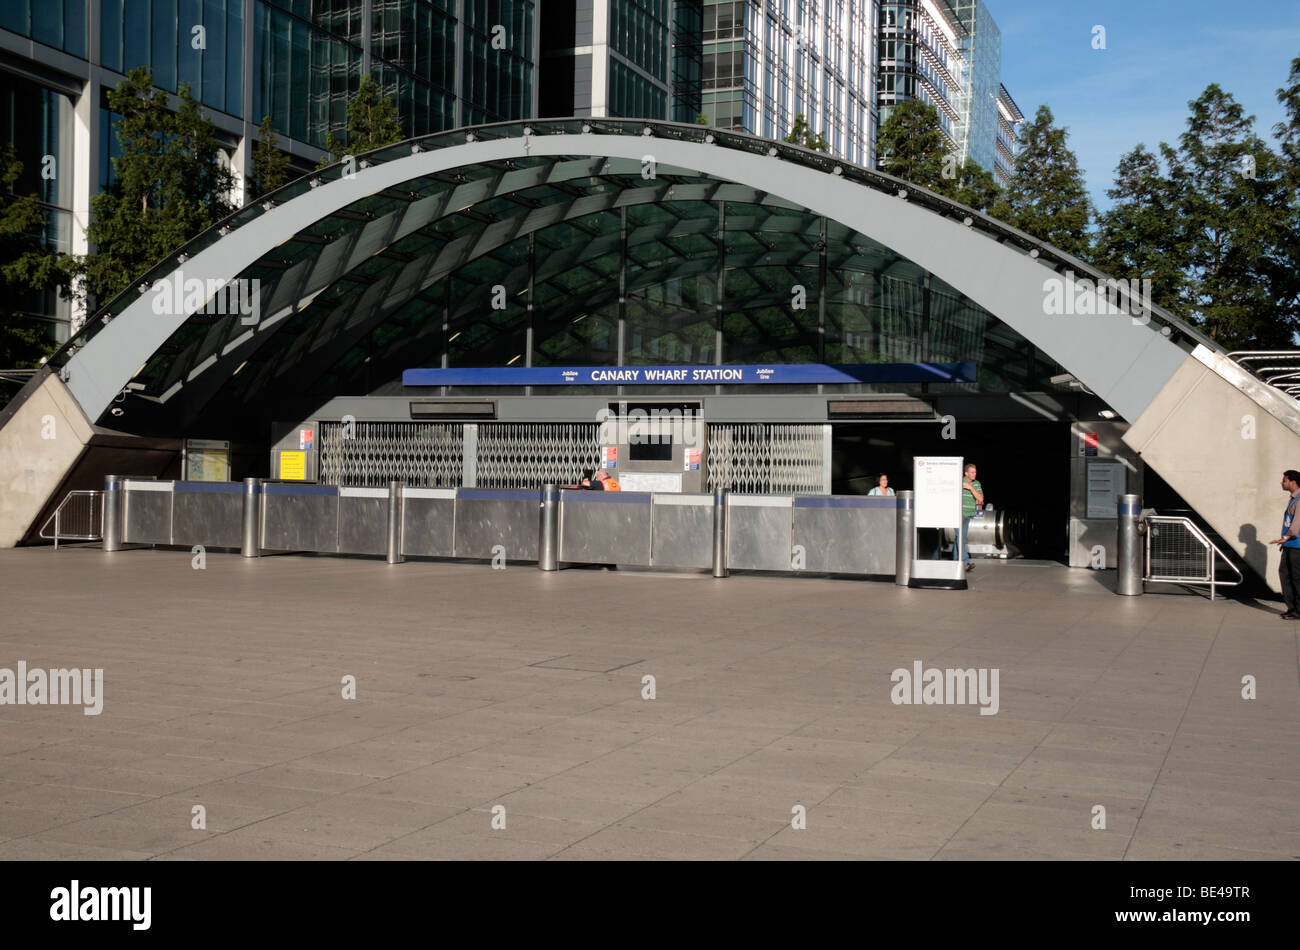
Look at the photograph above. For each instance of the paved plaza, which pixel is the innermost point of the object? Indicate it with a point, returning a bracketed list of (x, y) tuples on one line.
[(225, 733)]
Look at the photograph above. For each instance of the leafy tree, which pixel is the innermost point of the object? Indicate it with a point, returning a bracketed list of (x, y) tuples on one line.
[(911, 145), (1237, 213), (1136, 239), (372, 123), (1288, 132), (26, 268), (701, 119), (974, 186), (270, 165), (1047, 197), (801, 133), (170, 184)]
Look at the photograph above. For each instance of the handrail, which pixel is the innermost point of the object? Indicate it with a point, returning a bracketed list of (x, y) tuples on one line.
[(57, 518), (1212, 552), (1283, 376)]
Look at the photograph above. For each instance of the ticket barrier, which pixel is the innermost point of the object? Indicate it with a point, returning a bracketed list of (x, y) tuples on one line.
[(824, 534)]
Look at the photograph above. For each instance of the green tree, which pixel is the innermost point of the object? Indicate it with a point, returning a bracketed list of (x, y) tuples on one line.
[(169, 185), (1047, 197), (974, 186), (801, 133), (1135, 238), (911, 146), (1237, 213), (372, 123), (701, 119), (26, 269), (270, 165)]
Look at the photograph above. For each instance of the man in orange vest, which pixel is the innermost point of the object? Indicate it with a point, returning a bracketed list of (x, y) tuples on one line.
[(606, 482)]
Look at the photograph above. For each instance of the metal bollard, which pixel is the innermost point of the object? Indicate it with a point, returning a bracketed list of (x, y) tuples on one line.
[(395, 522), (252, 518), (548, 529), (904, 538), (720, 533), (1128, 557), (113, 512)]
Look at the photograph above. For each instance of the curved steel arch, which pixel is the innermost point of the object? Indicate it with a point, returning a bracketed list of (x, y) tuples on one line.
[(1123, 361)]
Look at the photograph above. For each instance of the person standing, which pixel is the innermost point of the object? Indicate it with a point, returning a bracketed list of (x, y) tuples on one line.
[(1289, 569), (972, 499), (882, 486)]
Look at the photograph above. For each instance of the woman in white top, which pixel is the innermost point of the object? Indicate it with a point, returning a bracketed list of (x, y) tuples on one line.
[(882, 486)]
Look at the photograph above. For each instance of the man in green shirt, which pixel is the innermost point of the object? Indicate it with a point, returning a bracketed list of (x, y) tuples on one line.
[(972, 499)]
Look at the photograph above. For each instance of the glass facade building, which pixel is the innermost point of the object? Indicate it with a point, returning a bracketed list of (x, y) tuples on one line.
[(621, 58), (446, 63), (949, 53), (764, 64)]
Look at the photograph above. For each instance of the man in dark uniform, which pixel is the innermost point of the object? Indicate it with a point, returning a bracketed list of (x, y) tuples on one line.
[(1289, 570)]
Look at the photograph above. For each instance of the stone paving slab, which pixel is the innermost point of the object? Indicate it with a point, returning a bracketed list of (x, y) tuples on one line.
[(515, 696)]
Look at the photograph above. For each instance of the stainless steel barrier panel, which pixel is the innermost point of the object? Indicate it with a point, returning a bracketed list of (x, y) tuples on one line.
[(146, 511), (487, 517), (363, 521), (846, 534), (605, 527), (429, 522), (681, 530), (300, 518), (208, 513), (758, 532)]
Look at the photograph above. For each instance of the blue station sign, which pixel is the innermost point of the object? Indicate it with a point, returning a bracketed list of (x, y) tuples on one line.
[(780, 373)]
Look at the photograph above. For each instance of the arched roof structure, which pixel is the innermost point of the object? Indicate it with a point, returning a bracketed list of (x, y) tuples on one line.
[(692, 236)]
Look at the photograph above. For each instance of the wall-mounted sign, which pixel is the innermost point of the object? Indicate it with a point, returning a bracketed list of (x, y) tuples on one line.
[(293, 466), (779, 373), (1106, 482), (207, 460), (306, 438)]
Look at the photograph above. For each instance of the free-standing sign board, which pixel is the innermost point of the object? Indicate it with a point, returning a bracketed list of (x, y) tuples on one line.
[(936, 483)]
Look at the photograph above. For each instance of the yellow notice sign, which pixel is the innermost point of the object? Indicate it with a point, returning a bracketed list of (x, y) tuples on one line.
[(293, 466)]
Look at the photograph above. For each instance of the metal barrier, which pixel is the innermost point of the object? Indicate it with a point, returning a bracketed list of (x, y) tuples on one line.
[(1178, 552), (1278, 368), (79, 517), (720, 532)]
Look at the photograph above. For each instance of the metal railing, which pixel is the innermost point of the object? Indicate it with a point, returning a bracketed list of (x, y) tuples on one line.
[(1278, 368), (79, 517), (1179, 552)]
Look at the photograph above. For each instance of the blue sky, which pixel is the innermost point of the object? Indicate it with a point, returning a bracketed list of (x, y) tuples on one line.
[(1160, 54)]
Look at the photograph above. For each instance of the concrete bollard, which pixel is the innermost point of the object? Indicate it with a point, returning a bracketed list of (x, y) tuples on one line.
[(548, 529), (252, 519), (1128, 558), (904, 537)]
